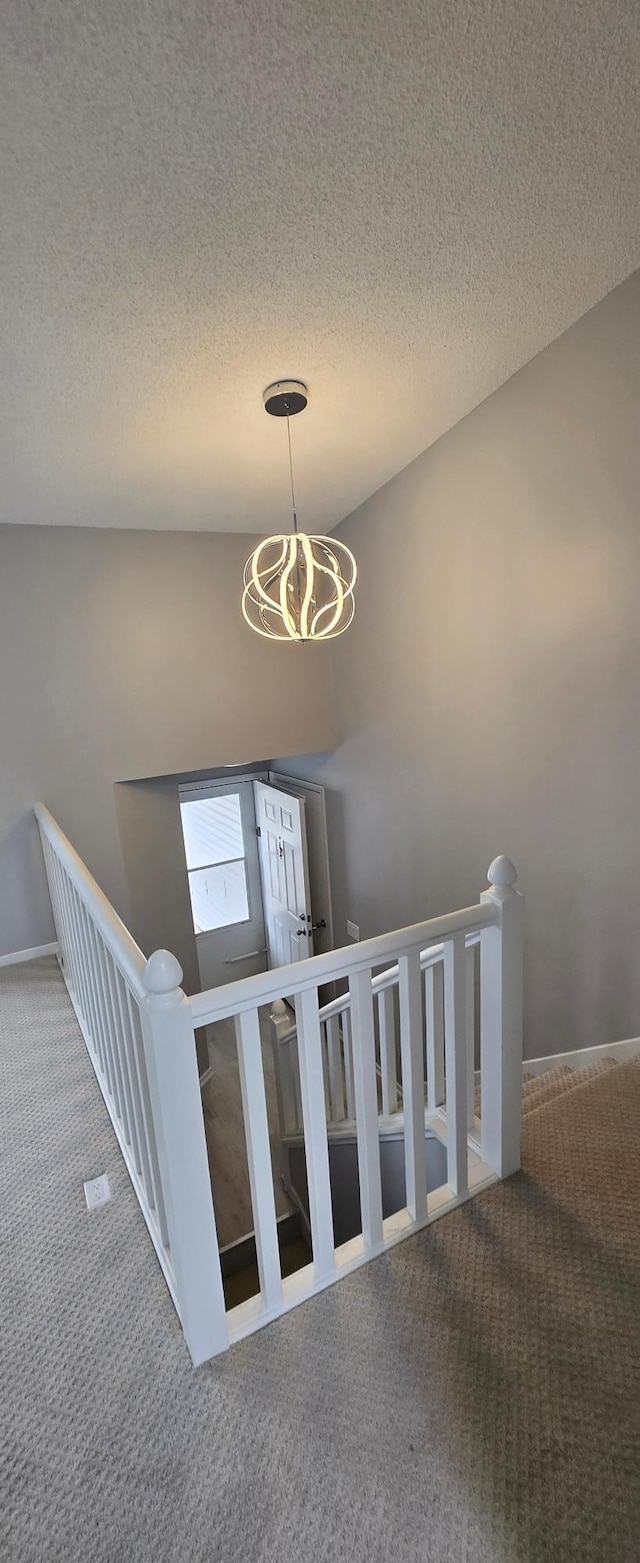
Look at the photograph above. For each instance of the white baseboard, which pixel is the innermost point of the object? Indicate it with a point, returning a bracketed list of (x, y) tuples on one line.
[(581, 1058), (29, 955)]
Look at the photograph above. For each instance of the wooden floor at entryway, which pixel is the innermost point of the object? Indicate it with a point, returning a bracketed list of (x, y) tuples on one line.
[(224, 1128)]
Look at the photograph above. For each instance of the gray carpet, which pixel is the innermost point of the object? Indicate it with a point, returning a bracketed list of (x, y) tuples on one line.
[(473, 1396)]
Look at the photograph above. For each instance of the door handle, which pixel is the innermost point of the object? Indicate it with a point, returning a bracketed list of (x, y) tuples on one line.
[(302, 932), (250, 955)]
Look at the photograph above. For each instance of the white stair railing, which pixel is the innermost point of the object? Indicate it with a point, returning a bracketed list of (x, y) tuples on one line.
[(500, 990), (138, 1030), (140, 1033), (335, 1022), (336, 1058)]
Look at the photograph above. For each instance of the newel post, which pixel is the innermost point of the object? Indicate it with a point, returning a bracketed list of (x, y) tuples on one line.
[(501, 962), (174, 1086)]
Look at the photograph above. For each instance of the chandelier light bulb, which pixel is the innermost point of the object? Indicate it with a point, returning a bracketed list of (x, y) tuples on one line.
[(298, 586)]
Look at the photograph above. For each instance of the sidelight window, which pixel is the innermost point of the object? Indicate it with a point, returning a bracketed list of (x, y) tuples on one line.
[(216, 865)]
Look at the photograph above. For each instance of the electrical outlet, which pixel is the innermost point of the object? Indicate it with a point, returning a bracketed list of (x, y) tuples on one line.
[(353, 930), (97, 1192)]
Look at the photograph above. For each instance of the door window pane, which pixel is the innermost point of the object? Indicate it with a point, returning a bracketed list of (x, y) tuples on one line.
[(219, 896), (212, 829)]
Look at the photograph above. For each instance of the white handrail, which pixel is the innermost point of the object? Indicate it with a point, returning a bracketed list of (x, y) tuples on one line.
[(385, 979), (123, 947), (389, 978), (234, 997)]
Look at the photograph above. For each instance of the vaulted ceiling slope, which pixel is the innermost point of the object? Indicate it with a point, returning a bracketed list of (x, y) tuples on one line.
[(400, 201)]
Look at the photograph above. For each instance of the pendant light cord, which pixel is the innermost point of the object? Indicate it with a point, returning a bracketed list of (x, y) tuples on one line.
[(293, 497)]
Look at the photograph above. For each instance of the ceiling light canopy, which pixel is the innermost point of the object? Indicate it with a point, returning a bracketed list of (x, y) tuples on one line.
[(297, 586)]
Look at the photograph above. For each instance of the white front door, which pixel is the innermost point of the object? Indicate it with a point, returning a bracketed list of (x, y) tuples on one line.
[(282, 845), (219, 830)]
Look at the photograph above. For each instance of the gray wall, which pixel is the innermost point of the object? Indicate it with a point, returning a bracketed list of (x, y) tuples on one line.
[(488, 693), (125, 655), (148, 816)]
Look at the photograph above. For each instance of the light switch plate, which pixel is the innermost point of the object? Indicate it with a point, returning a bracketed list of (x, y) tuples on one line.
[(353, 930)]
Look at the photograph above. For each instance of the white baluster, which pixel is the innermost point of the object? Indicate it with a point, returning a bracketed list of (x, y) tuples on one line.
[(501, 960), (325, 1070), (174, 1085), (345, 1018), (82, 998), (69, 902), (470, 992), (388, 1067), (54, 871), (315, 1132), (115, 1052), (366, 1105), (256, 1126), (111, 1081), (336, 1075), (111, 1010), (294, 1064), (101, 1038), (129, 1080), (434, 1012), (411, 1049), (87, 957), (84, 970), (280, 1025), (455, 1041), (50, 864), (148, 1147)]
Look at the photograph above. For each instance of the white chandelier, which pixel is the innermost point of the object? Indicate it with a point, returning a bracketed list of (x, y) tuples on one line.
[(296, 586)]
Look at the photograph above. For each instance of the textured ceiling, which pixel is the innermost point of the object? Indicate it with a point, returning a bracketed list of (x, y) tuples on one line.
[(400, 201)]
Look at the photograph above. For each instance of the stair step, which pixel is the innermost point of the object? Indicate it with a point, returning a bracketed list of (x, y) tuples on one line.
[(531, 1084), (245, 1283), (242, 1252), (578, 1078), (543, 1085), (538, 1090), (238, 1261)]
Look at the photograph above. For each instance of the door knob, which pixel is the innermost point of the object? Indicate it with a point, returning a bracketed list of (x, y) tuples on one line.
[(321, 924), (301, 933)]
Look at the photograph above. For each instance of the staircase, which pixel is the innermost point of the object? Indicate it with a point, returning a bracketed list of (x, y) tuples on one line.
[(541, 1090), (554, 1082), (239, 1262)]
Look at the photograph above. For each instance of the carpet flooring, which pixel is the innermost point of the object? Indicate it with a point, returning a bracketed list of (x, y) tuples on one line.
[(472, 1396)]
